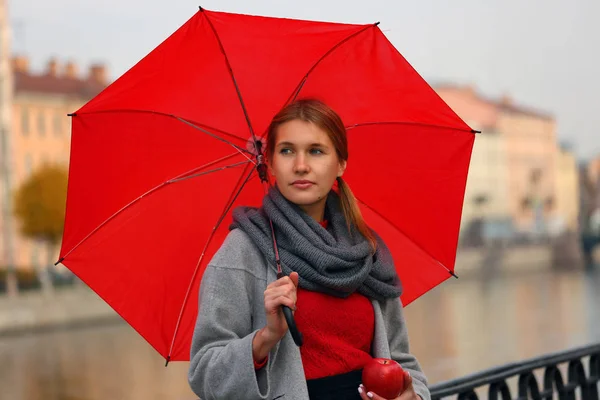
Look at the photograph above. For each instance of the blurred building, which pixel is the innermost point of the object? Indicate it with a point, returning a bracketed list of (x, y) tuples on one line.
[(566, 207), (590, 197), (593, 172), (522, 172), (41, 128), (486, 210)]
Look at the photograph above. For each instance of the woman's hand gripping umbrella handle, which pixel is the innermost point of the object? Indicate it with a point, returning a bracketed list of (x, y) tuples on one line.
[(291, 322)]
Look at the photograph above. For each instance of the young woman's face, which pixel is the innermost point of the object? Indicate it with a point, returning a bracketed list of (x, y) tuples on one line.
[(305, 165)]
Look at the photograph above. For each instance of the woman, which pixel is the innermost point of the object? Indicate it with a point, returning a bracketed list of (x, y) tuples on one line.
[(341, 281)]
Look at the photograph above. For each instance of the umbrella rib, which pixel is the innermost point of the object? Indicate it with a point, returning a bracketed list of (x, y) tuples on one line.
[(241, 150), (235, 84), (178, 178), (203, 130), (296, 92), (228, 206), (209, 171), (406, 236), (410, 123)]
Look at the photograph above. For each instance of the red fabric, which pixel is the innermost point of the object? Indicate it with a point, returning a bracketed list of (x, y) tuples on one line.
[(337, 332), (137, 236)]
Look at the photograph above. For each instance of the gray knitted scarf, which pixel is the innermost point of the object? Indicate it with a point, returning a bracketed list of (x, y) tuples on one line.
[(331, 260)]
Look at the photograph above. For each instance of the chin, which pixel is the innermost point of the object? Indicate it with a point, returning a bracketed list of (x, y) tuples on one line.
[(301, 198)]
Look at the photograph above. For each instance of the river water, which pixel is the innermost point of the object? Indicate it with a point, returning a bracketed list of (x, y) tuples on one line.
[(461, 327)]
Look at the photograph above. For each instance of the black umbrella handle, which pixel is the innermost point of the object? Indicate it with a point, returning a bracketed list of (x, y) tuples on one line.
[(289, 317), (291, 322)]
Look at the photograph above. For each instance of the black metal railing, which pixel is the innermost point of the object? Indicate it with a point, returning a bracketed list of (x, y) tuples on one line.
[(496, 380)]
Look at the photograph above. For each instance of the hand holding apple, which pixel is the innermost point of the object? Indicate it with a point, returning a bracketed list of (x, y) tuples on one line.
[(384, 377), (392, 372)]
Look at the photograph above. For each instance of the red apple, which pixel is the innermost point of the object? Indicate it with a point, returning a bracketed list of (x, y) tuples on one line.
[(384, 377)]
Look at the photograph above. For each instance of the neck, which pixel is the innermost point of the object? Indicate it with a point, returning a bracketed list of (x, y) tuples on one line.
[(316, 210)]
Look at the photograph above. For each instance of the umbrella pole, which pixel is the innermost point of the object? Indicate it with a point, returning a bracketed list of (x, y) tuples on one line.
[(287, 312)]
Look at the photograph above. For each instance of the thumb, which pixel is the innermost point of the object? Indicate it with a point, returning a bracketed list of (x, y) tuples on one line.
[(407, 380), (294, 277)]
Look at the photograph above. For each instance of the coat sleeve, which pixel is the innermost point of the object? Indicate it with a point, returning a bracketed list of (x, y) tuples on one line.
[(397, 334), (221, 364)]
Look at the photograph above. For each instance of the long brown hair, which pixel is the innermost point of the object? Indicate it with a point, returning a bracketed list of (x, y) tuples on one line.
[(318, 113)]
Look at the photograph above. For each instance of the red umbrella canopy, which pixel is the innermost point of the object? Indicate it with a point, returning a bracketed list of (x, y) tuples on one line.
[(159, 157)]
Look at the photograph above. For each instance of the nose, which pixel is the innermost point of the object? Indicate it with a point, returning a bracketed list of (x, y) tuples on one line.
[(300, 165)]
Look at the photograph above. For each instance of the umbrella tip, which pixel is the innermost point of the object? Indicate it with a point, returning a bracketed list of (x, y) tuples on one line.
[(453, 274), (72, 115), (376, 23), (474, 131), (200, 8), (59, 261), (168, 359)]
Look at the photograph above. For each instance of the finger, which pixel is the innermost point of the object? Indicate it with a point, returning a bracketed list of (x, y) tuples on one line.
[(407, 381), (273, 304), (285, 280), (294, 278), (288, 291), (374, 396), (407, 394), (363, 392), (281, 300)]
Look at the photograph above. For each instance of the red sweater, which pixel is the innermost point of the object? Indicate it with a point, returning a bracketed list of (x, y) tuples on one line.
[(337, 332)]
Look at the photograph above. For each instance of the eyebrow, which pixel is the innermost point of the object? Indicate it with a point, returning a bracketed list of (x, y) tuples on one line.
[(310, 145)]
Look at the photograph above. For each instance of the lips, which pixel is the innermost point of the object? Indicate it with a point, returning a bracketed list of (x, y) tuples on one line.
[(302, 184)]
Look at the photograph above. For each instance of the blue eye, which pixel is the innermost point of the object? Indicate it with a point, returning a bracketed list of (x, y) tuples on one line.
[(316, 151), (285, 151)]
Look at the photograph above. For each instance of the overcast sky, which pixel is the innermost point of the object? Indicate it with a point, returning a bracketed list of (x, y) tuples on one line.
[(543, 53)]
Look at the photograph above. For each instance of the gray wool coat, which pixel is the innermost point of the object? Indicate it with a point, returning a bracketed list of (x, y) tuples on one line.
[(231, 311)]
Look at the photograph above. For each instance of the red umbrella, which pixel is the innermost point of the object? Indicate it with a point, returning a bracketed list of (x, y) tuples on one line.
[(159, 157)]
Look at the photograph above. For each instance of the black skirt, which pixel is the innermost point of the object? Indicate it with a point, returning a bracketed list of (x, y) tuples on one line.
[(336, 387)]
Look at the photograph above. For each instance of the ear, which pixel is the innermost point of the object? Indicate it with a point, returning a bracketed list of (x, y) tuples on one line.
[(342, 168)]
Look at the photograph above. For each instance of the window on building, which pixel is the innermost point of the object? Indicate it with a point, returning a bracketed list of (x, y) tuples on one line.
[(28, 164), (25, 121), (41, 124), (35, 255), (58, 124)]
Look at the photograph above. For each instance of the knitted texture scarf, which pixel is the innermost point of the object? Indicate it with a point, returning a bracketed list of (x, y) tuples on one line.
[(332, 261)]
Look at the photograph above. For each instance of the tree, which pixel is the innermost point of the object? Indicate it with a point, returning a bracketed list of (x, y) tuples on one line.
[(40, 208)]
